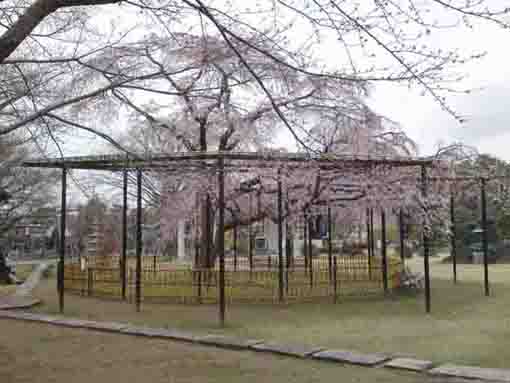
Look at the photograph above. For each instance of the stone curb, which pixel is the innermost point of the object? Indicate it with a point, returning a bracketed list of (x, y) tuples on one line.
[(18, 302), (410, 364), (299, 351), (470, 372), (350, 357)]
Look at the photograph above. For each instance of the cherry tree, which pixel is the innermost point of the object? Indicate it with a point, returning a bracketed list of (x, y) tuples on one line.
[(61, 60)]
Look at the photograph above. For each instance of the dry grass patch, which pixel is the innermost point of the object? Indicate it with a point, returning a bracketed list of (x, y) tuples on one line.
[(34, 353), (464, 327), (7, 290)]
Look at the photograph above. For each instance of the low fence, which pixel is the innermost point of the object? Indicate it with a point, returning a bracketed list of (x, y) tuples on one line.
[(351, 276)]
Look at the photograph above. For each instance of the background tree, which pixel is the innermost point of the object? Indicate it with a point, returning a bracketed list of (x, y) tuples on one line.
[(468, 203), (29, 190)]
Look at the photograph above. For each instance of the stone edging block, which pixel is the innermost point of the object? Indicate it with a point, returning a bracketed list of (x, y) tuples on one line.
[(299, 351), (344, 356), (232, 343), (409, 364), (159, 333), (468, 372)]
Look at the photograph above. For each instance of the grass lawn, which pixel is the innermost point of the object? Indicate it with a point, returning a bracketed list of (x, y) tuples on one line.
[(33, 353), (464, 327), (7, 290), (23, 270)]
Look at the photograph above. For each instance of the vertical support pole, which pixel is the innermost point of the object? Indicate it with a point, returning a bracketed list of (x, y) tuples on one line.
[(401, 235), (369, 249), (372, 243), (485, 242), (426, 253), (369, 245), (63, 214), (221, 239), (90, 281), (250, 234), (335, 279), (199, 290), (207, 233), (288, 244), (305, 240), (453, 237), (310, 250), (287, 235), (280, 239), (235, 247), (123, 262), (383, 252), (138, 276), (330, 245)]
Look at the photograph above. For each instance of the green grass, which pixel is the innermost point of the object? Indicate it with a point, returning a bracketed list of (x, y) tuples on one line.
[(7, 290), (464, 327), (24, 270), (34, 353)]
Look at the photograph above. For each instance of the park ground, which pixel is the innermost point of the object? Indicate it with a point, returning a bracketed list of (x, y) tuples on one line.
[(31, 352), (22, 272), (464, 327)]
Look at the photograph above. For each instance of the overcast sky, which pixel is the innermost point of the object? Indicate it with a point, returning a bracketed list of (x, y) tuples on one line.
[(487, 107)]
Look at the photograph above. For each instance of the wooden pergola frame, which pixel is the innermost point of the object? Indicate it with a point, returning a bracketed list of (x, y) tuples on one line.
[(222, 162)]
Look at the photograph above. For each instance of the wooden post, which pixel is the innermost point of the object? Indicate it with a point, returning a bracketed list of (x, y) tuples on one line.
[(369, 246), (199, 292), (90, 281), (280, 240), (453, 237), (207, 234), (60, 268), (330, 244), (401, 236), (310, 250), (383, 252), (124, 233), (235, 247), (138, 281), (221, 238), (426, 253), (288, 244), (287, 234), (372, 244), (250, 234), (485, 242), (335, 279), (305, 240)]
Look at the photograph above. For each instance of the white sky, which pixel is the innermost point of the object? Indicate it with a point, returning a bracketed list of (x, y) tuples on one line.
[(420, 116), (487, 107)]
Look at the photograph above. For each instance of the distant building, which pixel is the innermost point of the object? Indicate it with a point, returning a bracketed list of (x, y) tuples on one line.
[(34, 235)]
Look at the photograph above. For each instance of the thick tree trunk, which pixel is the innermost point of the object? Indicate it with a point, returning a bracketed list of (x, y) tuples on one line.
[(26, 23), (33, 16)]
